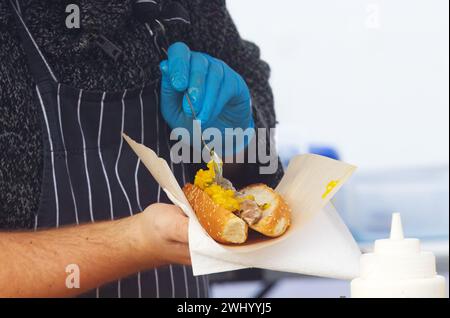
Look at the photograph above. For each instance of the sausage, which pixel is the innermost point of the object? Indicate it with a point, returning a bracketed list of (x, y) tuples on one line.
[(250, 212)]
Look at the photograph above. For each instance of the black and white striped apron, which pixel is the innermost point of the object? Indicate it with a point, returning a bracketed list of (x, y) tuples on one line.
[(91, 175)]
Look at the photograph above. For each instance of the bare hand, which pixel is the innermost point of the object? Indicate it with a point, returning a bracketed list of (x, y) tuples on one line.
[(164, 228)]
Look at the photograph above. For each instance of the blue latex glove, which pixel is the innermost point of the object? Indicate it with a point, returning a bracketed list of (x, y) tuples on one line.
[(219, 95)]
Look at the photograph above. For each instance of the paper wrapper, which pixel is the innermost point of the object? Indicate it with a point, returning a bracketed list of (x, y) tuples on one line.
[(317, 243)]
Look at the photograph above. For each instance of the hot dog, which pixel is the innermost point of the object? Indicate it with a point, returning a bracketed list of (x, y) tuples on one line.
[(227, 214)]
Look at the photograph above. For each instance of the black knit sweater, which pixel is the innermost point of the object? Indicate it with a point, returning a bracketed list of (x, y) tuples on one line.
[(78, 62)]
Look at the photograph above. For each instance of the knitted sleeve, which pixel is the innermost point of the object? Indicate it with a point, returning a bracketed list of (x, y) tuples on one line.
[(20, 138), (214, 32)]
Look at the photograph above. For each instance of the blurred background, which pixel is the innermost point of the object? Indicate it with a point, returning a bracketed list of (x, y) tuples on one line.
[(367, 82)]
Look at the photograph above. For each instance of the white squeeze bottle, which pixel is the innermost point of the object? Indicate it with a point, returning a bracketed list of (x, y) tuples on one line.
[(398, 268)]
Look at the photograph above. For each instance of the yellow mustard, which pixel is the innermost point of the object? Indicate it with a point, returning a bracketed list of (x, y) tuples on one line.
[(222, 197), (205, 178), (226, 198)]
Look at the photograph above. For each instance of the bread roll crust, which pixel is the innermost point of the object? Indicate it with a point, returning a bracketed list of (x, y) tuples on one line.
[(277, 219), (225, 227), (222, 225)]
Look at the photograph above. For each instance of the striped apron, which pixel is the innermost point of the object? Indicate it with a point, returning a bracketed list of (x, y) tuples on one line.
[(91, 175)]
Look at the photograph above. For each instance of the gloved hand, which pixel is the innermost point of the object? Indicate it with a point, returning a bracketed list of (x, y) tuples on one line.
[(220, 97)]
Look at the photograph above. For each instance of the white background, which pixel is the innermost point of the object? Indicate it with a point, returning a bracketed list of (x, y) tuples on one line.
[(369, 77)]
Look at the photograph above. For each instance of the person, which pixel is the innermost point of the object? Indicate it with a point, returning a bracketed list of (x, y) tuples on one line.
[(74, 198)]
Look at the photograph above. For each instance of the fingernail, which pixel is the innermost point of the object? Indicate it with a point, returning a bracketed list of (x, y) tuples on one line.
[(193, 94), (179, 77), (164, 67), (179, 81)]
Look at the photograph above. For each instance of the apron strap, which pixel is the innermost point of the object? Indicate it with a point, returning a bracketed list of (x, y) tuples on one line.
[(18, 7), (39, 66), (156, 16)]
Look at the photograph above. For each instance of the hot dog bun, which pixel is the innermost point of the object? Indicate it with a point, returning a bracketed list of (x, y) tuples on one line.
[(276, 217), (222, 225)]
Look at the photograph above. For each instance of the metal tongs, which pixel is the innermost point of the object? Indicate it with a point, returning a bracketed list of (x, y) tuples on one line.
[(218, 164)]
